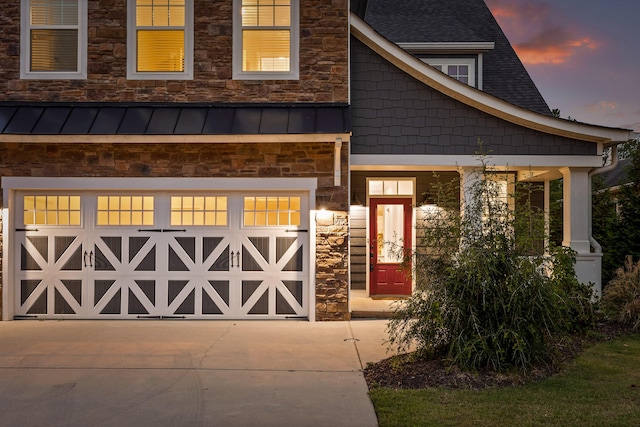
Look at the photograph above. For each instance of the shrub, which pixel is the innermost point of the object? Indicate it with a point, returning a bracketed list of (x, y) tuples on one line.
[(621, 298), (484, 298)]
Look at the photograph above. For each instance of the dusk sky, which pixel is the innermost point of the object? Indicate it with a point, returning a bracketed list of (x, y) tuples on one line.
[(583, 55)]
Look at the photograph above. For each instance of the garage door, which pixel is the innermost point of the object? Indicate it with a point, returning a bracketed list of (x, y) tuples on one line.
[(109, 255)]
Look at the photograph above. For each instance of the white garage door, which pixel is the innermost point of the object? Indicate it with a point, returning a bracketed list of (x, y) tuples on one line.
[(161, 255)]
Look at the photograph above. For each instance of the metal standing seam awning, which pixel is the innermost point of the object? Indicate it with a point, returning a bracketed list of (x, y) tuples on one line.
[(172, 119)]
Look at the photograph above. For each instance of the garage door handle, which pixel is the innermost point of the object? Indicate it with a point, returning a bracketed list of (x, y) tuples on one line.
[(90, 256), (237, 255)]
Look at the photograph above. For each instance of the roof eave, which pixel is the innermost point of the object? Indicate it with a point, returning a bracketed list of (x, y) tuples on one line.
[(479, 99)]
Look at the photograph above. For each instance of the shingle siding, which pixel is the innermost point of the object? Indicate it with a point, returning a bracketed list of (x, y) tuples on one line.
[(403, 21), (421, 120)]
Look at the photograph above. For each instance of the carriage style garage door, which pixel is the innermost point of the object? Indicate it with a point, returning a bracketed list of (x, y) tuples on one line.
[(118, 254)]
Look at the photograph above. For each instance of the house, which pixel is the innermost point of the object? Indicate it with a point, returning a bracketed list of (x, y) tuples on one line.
[(204, 159)]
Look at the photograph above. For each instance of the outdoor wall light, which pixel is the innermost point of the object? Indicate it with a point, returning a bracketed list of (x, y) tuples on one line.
[(323, 215)]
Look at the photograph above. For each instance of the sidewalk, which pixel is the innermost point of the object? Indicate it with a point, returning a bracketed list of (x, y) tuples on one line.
[(187, 373)]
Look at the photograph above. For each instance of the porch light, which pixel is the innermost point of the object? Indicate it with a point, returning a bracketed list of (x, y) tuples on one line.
[(427, 200), (323, 215), (355, 201)]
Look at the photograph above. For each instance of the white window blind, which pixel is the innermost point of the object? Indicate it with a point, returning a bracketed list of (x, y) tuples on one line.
[(53, 35), (266, 39), (160, 35)]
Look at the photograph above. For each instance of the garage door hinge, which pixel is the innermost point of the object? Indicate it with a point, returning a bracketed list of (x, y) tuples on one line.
[(27, 229), (163, 230), (295, 231)]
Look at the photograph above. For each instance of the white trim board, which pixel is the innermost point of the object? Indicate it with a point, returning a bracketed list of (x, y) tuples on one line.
[(453, 162)]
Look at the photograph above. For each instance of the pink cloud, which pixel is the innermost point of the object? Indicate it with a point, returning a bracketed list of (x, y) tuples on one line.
[(538, 33), (602, 106)]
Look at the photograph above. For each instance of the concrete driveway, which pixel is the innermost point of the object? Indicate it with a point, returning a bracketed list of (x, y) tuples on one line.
[(187, 373)]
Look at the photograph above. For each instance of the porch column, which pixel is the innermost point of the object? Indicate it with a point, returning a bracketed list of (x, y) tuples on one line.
[(468, 178), (576, 206), (575, 215)]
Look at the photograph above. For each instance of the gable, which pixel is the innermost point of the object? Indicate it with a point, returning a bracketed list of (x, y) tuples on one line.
[(394, 113), (419, 21)]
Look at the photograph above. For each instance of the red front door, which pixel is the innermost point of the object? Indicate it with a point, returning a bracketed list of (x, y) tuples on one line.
[(390, 227)]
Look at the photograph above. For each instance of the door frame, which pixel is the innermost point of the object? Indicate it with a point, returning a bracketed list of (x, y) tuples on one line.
[(12, 185), (408, 229)]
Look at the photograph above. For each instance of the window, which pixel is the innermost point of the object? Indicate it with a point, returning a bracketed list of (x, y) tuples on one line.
[(265, 42), (271, 211), (461, 69), (53, 39), (160, 40), (125, 210), (199, 210), (390, 187), (51, 210)]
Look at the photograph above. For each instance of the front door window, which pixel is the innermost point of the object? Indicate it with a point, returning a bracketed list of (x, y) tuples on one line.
[(390, 233)]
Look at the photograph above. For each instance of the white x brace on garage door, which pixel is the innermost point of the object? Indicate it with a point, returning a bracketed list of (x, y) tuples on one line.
[(170, 253)]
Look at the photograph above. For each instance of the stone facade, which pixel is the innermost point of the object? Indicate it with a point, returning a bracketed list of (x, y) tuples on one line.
[(211, 160), (332, 266), (323, 78)]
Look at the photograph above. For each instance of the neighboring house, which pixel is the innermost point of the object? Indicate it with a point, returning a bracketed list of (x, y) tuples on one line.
[(614, 180), (196, 159)]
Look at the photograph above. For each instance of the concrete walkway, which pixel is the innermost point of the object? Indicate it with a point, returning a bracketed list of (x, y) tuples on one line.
[(187, 373)]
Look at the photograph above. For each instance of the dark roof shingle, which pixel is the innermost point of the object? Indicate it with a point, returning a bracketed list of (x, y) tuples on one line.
[(413, 21)]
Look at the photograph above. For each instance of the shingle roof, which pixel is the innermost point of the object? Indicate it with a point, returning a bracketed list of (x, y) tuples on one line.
[(412, 21), (171, 119), (617, 176)]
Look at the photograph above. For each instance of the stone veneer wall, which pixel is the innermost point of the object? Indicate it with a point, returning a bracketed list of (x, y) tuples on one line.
[(332, 266), (211, 160), (323, 78)]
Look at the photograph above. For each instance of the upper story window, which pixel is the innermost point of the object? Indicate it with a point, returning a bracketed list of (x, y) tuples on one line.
[(460, 60), (265, 39), (160, 40), (461, 69), (53, 39)]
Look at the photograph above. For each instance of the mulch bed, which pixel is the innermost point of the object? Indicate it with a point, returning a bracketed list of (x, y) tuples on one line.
[(409, 372)]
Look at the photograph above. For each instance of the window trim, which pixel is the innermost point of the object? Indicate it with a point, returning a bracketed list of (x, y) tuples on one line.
[(25, 47), (294, 61), (132, 74)]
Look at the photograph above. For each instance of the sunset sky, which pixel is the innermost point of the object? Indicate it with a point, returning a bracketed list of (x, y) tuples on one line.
[(584, 55)]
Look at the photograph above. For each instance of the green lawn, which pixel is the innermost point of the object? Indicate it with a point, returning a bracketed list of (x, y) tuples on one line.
[(600, 388)]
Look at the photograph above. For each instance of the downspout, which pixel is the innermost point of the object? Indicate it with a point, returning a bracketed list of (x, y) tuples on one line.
[(336, 162)]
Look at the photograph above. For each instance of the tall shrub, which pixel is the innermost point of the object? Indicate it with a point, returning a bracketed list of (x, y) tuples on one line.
[(485, 297)]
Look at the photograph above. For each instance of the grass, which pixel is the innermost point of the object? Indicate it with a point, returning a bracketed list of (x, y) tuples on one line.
[(600, 388)]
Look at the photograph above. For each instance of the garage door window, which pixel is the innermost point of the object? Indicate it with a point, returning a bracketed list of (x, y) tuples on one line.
[(271, 211), (125, 210), (199, 210), (51, 210)]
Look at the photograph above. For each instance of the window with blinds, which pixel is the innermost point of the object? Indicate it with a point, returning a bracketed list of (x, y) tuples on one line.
[(265, 39), (53, 38), (161, 34)]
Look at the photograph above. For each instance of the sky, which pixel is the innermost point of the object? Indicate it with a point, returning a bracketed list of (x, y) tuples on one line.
[(583, 55)]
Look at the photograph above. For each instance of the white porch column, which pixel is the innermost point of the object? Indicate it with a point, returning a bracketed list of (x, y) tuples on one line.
[(576, 216), (468, 178), (547, 216)]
